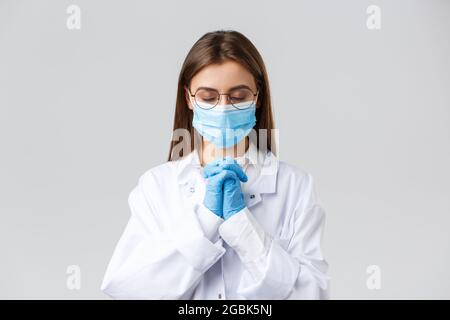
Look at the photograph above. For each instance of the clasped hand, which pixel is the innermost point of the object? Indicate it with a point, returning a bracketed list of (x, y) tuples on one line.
[(223, 195)]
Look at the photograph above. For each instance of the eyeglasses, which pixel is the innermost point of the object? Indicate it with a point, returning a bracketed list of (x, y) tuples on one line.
[(208, 98)]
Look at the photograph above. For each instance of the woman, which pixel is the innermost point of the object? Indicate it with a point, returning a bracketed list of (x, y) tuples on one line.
[(223, 218)]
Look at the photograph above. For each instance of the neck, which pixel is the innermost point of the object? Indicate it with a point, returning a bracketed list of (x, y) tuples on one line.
[(210, 152)]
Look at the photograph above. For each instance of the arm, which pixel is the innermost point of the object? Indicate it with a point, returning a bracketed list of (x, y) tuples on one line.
[(152, 263), (299, 272)]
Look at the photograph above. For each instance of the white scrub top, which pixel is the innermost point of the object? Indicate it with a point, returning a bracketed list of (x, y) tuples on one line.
[(173, 247)]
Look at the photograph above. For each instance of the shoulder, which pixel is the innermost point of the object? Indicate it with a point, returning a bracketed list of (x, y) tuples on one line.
[(298, 181), (154, 180), (294, 174), (160, 174)]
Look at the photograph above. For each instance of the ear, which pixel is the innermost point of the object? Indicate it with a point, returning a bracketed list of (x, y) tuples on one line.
[(187, 97)]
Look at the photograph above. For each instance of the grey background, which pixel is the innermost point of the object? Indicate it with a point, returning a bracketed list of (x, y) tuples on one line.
[(84, 113)]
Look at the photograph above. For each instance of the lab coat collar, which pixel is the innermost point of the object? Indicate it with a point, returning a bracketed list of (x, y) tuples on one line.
[(266, 165)]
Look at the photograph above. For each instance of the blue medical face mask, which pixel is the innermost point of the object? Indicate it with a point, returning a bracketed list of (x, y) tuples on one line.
[(224, 125)]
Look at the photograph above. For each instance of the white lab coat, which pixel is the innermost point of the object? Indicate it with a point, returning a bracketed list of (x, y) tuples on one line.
[(173, 247)]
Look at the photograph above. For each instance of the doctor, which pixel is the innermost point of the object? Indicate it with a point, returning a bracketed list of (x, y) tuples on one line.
[(223, 218)]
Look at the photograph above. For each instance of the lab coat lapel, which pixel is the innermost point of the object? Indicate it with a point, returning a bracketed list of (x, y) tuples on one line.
[(189, 169), (266, 182)]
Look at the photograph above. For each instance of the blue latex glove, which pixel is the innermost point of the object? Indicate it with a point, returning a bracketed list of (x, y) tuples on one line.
[(233, 198), (217, 172), (226, 163)]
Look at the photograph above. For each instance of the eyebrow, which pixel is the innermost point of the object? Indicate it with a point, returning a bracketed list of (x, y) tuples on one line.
[(241, 86)]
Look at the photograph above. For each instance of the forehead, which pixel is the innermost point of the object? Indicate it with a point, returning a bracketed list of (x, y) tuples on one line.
[(223, 76)]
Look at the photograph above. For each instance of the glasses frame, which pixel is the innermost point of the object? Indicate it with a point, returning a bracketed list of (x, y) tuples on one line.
[(255, 97)]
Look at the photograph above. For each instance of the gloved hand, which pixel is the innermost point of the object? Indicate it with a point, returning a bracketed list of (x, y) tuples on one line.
[(233, 198), (217, 172), (227, 163)]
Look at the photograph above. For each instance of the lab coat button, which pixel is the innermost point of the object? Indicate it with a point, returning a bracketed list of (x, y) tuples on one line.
[(220, 296), (192, 189), (252, 196)]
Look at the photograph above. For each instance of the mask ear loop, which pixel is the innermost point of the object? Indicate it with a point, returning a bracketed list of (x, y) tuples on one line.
[(257, 96), (191, 98), (197, 136), (193, 103), (198, 144)]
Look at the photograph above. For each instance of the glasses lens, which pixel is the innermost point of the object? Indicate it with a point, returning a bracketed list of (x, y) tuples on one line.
[(241, 98), (206, 98)]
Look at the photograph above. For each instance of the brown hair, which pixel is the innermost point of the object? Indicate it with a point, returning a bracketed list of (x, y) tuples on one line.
[(216, 47)]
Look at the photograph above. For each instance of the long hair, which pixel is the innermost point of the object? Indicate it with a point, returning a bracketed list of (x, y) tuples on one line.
[(214, 48)]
